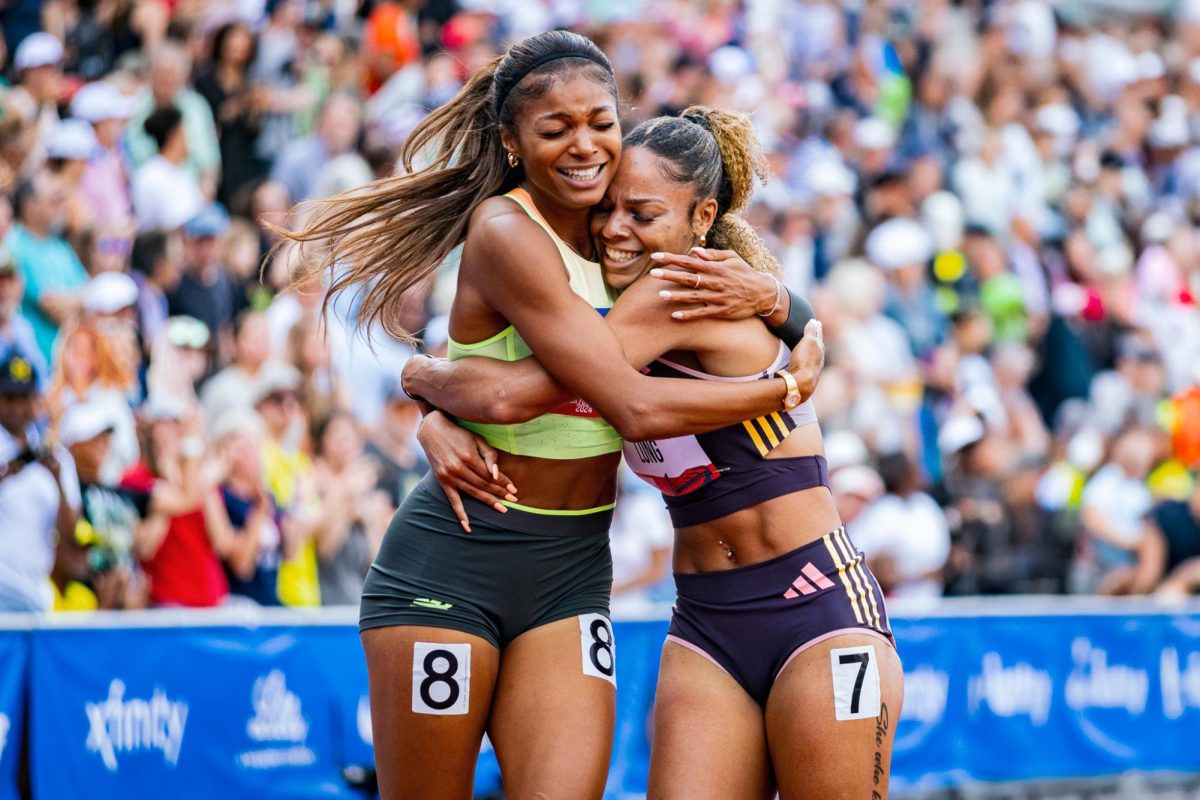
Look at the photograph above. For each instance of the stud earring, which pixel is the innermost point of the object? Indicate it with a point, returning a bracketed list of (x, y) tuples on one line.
[(704, 240), (513, 161)]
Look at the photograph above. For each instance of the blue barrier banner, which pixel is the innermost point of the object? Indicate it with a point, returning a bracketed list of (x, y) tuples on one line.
[(273, 707), (190, 712), (1020, 698), (13, 655)]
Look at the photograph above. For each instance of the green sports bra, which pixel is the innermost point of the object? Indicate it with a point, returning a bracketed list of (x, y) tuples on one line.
[(574, 430)]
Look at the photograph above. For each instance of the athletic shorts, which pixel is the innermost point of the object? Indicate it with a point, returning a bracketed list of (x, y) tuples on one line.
[(513, 572), (752, 621)]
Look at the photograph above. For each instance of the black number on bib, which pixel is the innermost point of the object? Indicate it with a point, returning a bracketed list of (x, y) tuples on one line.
[(601, 644), (863, 659), (433, 677)]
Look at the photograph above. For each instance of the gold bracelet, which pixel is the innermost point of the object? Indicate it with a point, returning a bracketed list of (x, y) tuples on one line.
[(778, 297)]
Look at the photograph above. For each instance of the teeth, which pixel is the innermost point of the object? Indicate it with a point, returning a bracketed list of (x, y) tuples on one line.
[(620, 255), (582, 174)]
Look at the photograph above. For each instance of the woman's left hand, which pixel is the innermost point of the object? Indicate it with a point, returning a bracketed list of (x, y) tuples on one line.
[(715, 284)]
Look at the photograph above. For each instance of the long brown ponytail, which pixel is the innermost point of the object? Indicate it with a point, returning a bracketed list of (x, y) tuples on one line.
[(390, 236)]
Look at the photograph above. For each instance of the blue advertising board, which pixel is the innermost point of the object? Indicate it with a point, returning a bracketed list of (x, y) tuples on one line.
[(13, 674), (277, 706)]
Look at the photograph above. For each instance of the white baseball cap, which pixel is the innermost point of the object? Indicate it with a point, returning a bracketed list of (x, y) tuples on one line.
[(109, 292), (37, 50), (898, 243), (873, 133), (958, 432), (99, 101), (83, 422), (72, 139)]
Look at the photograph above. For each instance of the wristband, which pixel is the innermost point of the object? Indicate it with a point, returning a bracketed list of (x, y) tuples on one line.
[(792, 329)]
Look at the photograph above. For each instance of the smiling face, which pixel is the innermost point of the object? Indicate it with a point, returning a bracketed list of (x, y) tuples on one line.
[(568, 140), (645, 212)]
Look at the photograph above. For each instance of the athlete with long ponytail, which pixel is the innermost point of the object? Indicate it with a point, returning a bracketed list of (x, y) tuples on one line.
[(505, 628), (780, 672)]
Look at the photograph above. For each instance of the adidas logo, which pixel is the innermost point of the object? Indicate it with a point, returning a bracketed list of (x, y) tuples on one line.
[(425, 602), (809, 581)]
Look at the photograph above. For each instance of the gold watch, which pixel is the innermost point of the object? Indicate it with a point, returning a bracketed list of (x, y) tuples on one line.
[(792, 398)]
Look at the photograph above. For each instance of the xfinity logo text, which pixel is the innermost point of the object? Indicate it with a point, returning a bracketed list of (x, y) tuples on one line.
[(1019, 690), (4, 726), (117, 725)]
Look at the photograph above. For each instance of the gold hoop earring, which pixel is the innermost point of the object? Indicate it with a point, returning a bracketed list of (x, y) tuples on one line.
[(513, 161)]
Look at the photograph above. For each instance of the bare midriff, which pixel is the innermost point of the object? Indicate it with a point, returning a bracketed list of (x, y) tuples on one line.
[(766, 530), (556, 485)]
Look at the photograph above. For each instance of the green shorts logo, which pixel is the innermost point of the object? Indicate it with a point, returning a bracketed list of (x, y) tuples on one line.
[(425, 602)]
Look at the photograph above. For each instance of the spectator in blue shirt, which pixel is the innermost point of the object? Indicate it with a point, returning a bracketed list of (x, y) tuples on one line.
[(54, 277)]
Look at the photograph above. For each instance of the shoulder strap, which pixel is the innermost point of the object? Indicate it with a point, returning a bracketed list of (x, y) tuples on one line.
[(522, 198)]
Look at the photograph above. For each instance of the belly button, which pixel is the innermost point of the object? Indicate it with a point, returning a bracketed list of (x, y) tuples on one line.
[(728, 550)]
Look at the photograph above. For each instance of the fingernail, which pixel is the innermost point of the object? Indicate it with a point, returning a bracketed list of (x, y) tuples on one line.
[(501, 508), (657, 273), (510, 498), (677, 314), (495, 472), (512, 489), (664, 294), (657, 256)]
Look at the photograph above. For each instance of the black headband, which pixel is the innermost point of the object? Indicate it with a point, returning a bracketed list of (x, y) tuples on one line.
[(502, 94)]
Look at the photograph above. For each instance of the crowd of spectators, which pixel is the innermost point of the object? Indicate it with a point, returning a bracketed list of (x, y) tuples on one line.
[(992, 206)]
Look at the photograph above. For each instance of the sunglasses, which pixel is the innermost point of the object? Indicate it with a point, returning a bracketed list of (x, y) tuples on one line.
[(187, 332), (114, 245)]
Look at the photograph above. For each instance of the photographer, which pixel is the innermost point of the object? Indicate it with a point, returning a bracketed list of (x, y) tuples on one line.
[(39, 494)]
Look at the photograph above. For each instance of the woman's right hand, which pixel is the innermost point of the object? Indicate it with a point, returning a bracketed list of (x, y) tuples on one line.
[(808, 359), (462, 461)]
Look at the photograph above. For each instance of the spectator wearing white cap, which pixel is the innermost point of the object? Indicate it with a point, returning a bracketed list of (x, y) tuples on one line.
[(69, 149), (903, 249), (903, 534), (109, 519), (168, 75), (38, 65), (105, 184), (289, 475), (165, 192)]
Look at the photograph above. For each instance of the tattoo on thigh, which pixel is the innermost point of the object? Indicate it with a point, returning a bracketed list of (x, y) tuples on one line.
[(598, 648), (441, 678), (880, 770)]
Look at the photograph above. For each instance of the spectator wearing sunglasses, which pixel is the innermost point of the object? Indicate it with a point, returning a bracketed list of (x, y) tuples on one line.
[(104, 248)]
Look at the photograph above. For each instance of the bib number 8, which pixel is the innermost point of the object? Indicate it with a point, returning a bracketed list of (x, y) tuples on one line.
[(441, 678), (597, 647)]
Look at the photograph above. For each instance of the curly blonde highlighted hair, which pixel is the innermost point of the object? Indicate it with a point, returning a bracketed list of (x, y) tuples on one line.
[(718, 152)]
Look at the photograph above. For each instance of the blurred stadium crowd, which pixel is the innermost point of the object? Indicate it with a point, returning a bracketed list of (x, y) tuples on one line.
[(992, 206)]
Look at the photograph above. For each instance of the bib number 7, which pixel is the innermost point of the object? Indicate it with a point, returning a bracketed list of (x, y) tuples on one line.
[(855, 682)]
